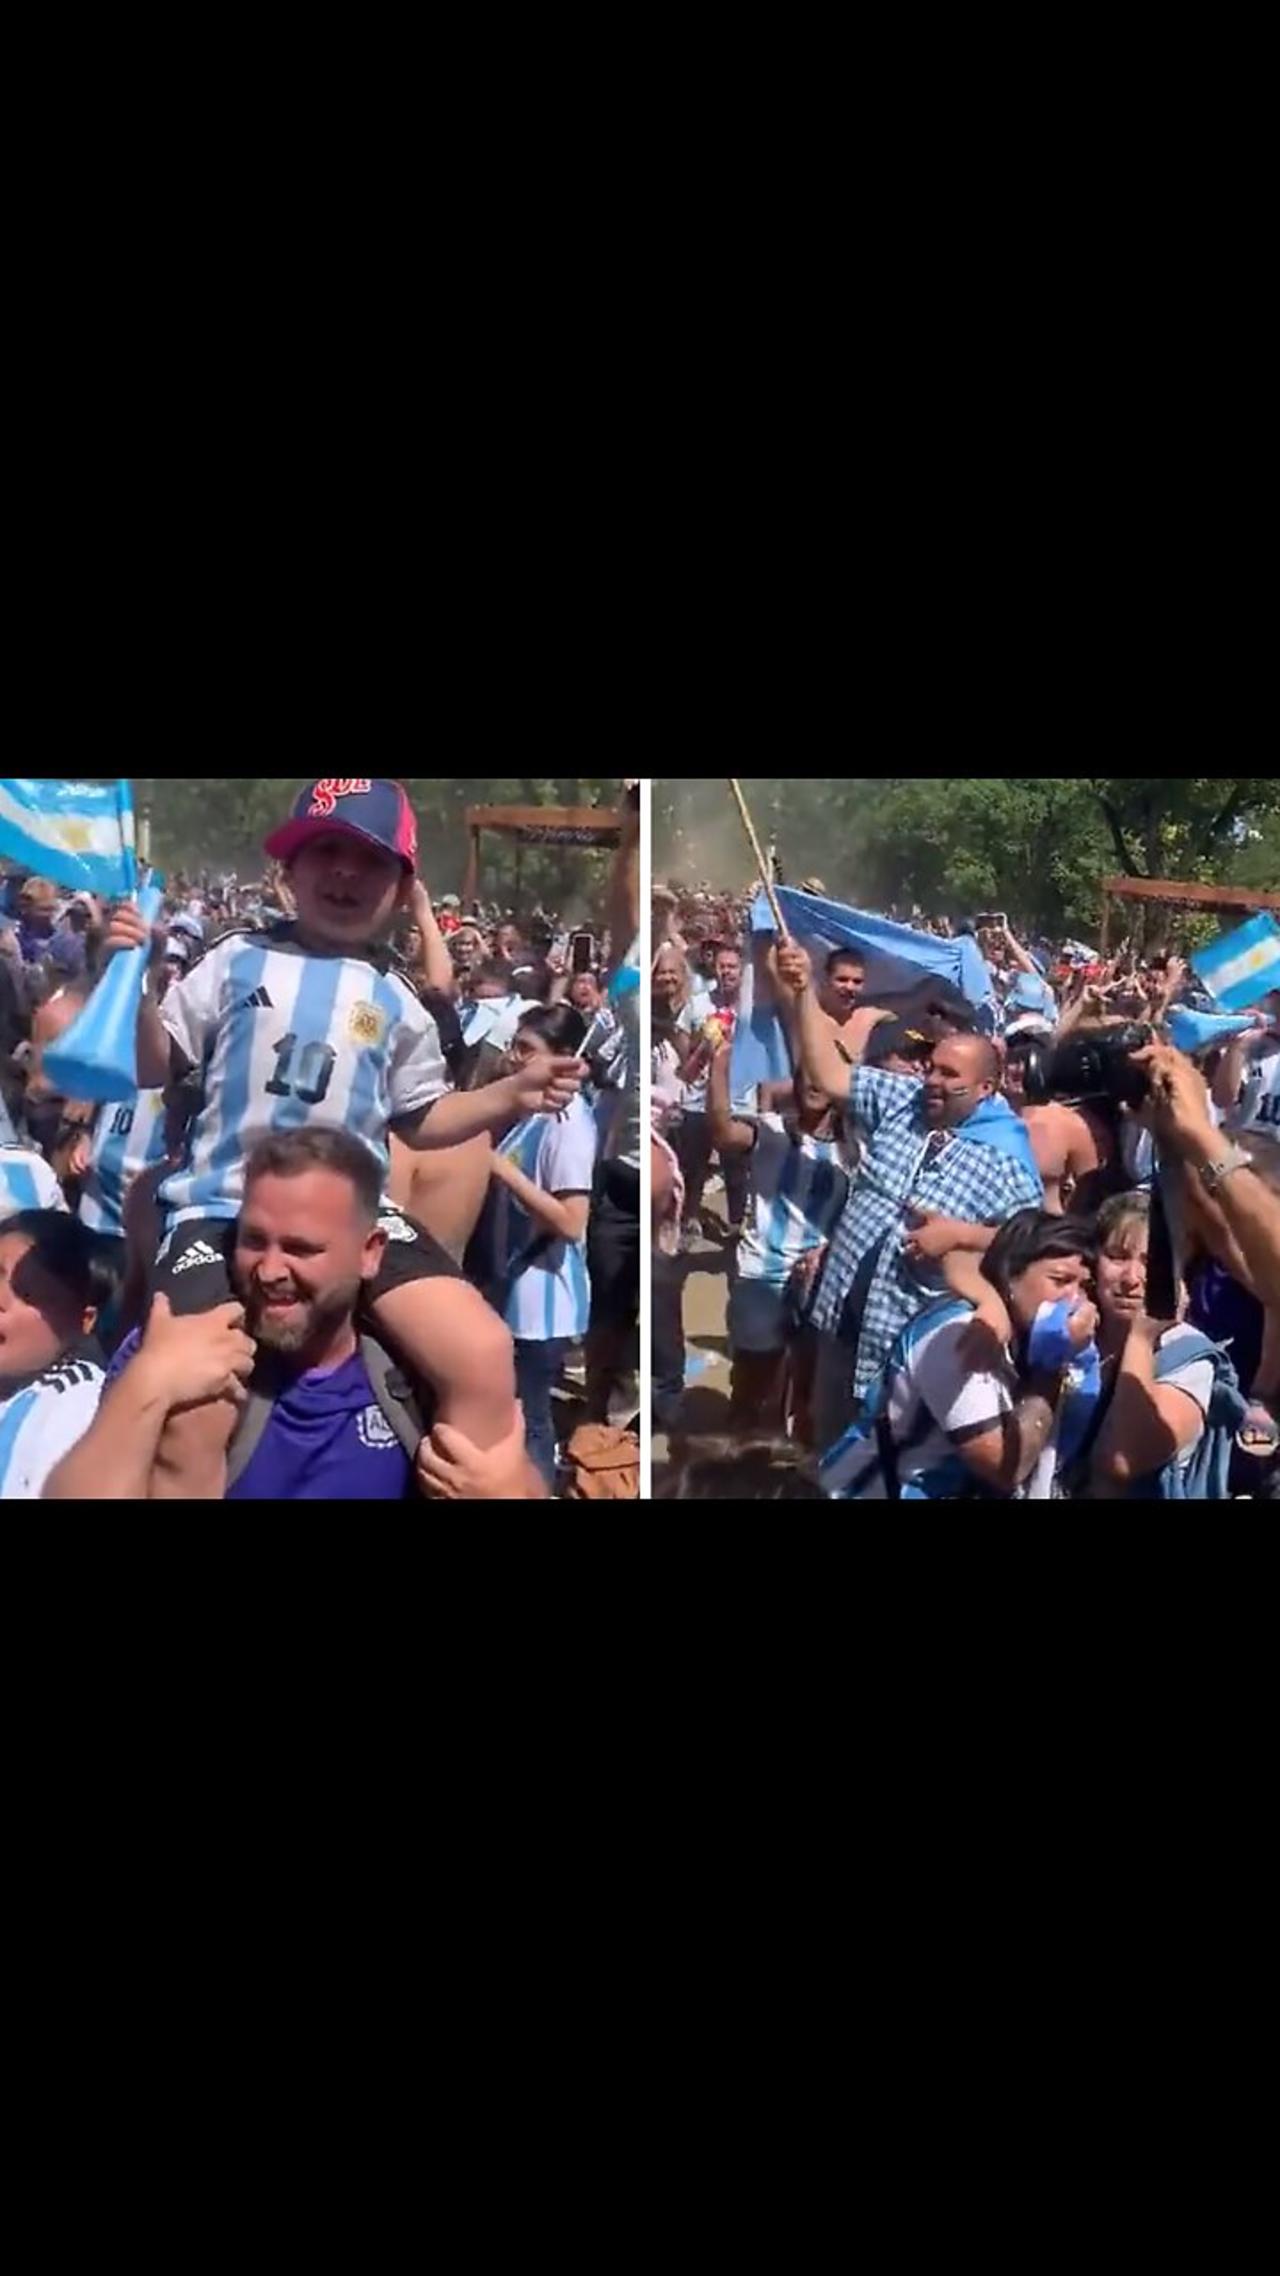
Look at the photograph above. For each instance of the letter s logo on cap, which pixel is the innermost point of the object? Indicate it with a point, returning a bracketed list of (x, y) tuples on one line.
[(327, 793)]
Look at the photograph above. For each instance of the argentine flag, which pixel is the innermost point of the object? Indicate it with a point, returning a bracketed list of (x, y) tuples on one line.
[(77, 834), (897, 959), (1242, 967)]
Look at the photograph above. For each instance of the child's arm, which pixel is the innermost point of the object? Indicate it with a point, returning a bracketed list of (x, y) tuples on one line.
[(444, 1331), (464, 1114), (564, 1214), (962, 1271), (155, 1049)]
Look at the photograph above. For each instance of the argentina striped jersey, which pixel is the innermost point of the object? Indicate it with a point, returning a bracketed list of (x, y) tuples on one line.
[(548, 1293), (27, 1182), (1258, 1113), (42, 1423), (288, 1039), (129, 1139), (799, 1185)]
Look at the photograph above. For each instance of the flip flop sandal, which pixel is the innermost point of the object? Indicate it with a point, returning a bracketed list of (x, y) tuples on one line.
[(1259, 1433)]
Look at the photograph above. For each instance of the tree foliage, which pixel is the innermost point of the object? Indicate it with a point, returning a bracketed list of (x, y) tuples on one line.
[(1036, 846)]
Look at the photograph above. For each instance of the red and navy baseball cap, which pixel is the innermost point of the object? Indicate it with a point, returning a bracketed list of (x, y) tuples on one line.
[(358, 805)]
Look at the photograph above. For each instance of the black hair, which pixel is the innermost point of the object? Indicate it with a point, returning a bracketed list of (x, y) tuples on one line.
[(61, 1245), (444, 1012), (845, 956), (1028, 1238), (292, 1152), (732, 1469), (561, 1026), (494, 968)]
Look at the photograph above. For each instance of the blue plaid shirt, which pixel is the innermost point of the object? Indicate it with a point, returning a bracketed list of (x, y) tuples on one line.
[(905, 1162)]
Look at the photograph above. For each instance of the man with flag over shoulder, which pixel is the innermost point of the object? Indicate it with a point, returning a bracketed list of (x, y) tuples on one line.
[(946, 1163)]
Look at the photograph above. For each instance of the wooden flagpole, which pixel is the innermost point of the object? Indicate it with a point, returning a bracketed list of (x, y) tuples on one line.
[(766, 877)]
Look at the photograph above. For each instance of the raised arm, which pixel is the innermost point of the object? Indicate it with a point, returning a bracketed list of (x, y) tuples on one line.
[(1147, 1423), (728, 1134), (1181, 1121), (127, 930), (435, 963), (1024, 962)]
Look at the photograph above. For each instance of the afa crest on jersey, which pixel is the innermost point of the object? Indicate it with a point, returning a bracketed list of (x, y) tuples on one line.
[(374, 1430), (367, 1025)]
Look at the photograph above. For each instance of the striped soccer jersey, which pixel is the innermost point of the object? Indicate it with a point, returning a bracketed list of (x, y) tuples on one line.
[(289, 1039), (42, 1423), (930, 1396), (129, 1139), (548, 1293), (1258, 1113), (27, 1182), (799, 1185)]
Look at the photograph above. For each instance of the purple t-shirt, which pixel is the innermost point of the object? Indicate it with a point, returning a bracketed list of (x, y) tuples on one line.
[(327, 1439)]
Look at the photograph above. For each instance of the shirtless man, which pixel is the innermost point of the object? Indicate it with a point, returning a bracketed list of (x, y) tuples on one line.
[(840, 994), (1065, 1145), (841, 991)]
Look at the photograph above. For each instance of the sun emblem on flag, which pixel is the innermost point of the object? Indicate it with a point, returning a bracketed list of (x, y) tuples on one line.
[(367, 1024), (77, 837)]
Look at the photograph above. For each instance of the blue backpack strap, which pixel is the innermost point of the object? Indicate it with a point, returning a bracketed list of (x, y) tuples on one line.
[(874, 1422), (1204, 1474)]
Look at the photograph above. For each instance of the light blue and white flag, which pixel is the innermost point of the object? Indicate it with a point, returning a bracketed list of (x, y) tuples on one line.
[(896, 957), (77, 834), (1243, 966)]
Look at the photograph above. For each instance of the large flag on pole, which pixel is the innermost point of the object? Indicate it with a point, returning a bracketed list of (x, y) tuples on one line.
[(78, 834), (898, 960)]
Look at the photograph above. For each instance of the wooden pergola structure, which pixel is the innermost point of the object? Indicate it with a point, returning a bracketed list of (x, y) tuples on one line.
[(1219, 900), (537, 826)]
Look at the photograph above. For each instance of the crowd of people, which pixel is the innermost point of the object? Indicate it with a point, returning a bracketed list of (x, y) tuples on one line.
[(368, 1228), (1019, 1246)]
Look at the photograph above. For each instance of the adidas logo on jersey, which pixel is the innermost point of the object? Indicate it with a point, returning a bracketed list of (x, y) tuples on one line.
[(199, 1253), (259, 1001), (69, 1373)]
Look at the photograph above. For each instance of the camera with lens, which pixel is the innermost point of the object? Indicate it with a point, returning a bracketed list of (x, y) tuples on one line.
[(1092, 1066)]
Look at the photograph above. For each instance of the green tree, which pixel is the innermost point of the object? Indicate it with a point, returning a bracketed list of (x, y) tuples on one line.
[(1037, 846)]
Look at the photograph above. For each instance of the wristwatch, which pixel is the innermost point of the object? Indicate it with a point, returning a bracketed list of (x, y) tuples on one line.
[(1213, 1173)]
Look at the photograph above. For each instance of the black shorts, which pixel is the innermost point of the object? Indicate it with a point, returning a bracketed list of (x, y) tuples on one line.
[(194, 1266)]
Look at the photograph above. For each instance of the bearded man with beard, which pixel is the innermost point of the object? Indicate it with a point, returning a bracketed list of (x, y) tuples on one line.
[(310, 1240)]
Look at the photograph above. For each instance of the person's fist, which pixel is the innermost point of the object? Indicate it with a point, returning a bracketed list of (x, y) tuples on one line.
[(206, 1355), (537, 1093), (1177, 1105), (1082, 1324), (931, 1236), (795, 968), (126, 930), (80, 1156)]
